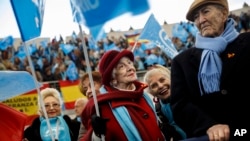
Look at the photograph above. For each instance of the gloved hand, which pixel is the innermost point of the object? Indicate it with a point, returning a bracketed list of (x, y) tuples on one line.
[(99, 125)]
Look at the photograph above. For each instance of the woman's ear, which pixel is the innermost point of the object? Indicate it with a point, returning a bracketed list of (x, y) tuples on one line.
[(114, 82)]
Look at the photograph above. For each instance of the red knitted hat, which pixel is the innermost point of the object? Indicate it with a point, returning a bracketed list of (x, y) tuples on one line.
[(109, 60)]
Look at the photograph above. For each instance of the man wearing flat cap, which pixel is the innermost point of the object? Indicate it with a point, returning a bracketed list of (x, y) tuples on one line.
[(209, 81)]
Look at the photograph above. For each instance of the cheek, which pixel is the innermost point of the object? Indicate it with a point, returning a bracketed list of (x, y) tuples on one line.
[(153, 92)]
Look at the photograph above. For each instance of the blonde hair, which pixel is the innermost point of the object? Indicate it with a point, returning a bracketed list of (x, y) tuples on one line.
[(158, 69), (46, 93), (96, 78)]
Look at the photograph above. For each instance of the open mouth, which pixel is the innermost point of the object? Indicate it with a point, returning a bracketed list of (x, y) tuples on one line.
[(163, 92)]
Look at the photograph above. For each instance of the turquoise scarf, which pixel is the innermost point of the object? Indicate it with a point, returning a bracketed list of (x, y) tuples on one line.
[(60, 129), (211, 64), (166, 110), (124, 119)]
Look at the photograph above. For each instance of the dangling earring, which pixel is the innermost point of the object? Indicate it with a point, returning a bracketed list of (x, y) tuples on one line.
[(156, 99), (114, 82)]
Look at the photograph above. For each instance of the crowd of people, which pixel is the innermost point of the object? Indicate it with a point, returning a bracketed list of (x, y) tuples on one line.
[(199, 93), (51, 62)]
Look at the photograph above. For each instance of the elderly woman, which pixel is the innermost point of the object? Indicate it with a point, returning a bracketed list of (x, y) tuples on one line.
[(126, 112), (62, 127), (158, 81)]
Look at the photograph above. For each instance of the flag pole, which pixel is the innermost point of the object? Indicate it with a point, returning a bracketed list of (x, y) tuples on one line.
[(90, 76), (38, 90), (134, 46)]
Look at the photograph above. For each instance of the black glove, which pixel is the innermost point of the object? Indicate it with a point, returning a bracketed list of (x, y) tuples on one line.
[(99, 125)]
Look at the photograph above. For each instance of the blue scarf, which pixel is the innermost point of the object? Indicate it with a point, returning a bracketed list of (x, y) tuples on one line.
[(211, 64), (60, 129), (166, 110), (124, 119)]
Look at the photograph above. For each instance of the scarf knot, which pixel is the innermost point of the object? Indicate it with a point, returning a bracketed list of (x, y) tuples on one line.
[(211, 64)]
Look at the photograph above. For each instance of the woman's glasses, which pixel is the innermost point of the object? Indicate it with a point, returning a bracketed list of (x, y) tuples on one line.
[(53, 105)]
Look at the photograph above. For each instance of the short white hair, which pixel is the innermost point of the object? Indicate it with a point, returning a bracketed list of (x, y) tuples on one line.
[(158, 69), (49, 92), (83, 100)]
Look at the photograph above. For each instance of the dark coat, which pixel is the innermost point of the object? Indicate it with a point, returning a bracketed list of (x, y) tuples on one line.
[(195, 113), (32, 133)]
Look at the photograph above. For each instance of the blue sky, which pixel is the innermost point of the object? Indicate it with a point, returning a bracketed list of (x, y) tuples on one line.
[(58, 19)]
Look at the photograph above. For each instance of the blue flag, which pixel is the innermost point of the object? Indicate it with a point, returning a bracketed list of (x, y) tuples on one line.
[(14, 83), (148, 46), (44, 43), (72, 72), (29, 17), (98, 32), (112, 46), (180, 32), (6, 42), (94, 13), (76, 13), (92, 43), (155, 33), (21, 53), (32, 48), (192, 29), (66, 48)]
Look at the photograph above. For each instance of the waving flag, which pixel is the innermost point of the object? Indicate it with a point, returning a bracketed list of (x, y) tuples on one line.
[(192, 29), (155, 33), (92, 43), (13, 83), (180, 32), (148, 46), (94, 13), (72, 72), (44, 43), (21, 53), (6, 42), (32, 48), (66, 48), (29, 17), (12, 123), (98, 32)]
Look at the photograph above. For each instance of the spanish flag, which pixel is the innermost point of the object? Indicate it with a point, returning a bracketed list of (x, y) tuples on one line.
[(70, 92)]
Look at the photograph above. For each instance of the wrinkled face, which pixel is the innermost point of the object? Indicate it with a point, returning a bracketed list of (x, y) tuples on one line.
[(159, 86), (79, 106), (52, 106), (87, 86), (125, 72), (210, 20)]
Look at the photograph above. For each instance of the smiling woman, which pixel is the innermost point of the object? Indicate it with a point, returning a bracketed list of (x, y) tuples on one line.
[(158, 81), (66, 129)]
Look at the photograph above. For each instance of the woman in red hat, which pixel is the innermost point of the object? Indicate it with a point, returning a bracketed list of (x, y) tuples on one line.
[(126, 111)]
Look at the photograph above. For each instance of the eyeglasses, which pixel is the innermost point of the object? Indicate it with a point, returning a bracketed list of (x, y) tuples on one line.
[(53, 105)]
